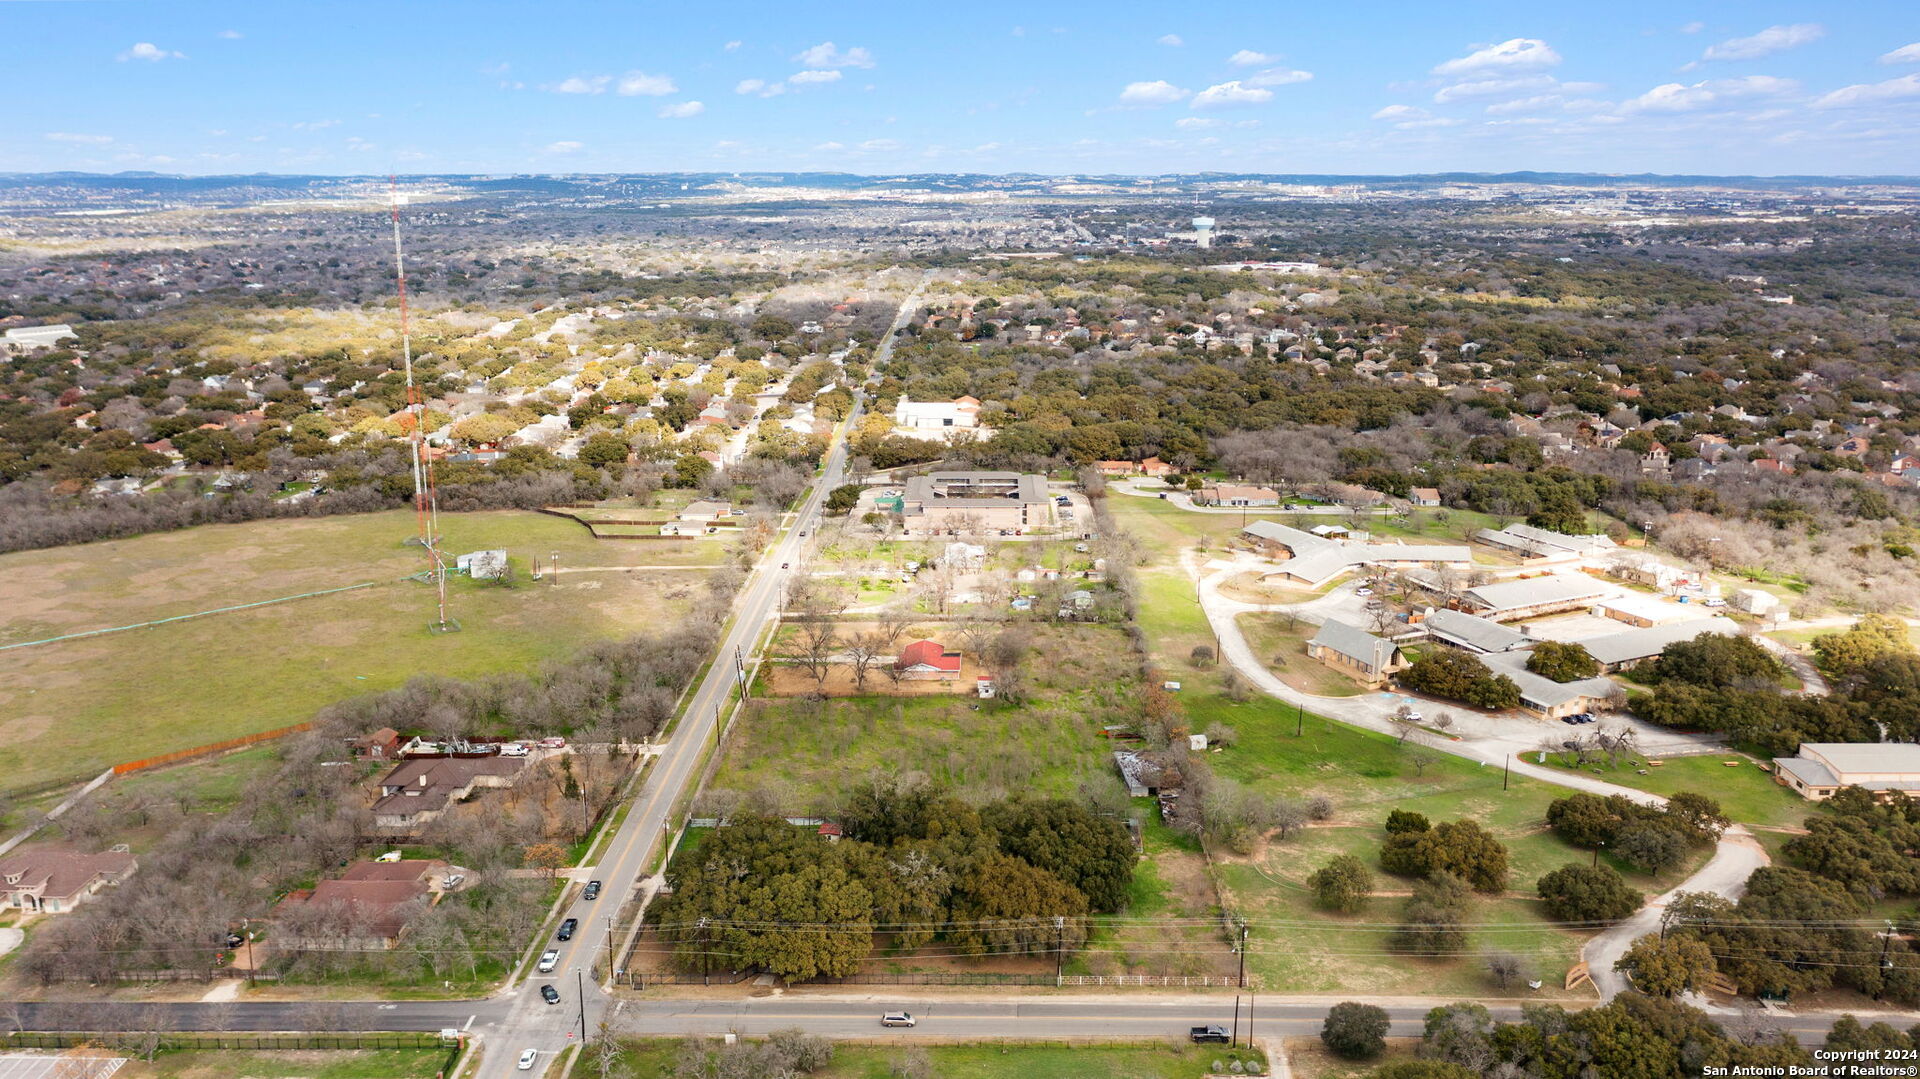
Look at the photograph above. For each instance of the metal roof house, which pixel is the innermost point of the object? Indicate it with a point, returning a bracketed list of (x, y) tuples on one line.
[(1353, 651)]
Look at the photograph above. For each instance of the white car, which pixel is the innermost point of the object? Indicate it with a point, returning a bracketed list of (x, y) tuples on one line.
[(527, 1058), (897, 1019), (513, 749), (549, 960)]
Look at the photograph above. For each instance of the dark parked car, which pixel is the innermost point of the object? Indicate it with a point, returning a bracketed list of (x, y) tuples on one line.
[(1211, 1034), (566, 929), (592, 891), (549, 994)]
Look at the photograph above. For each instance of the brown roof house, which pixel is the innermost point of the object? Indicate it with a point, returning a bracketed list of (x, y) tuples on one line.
[(418, 791), (366, 910), (55, 879)]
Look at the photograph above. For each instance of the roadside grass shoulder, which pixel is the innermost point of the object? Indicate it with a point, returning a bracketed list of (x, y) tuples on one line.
[(292, 1064), (656, 1058)]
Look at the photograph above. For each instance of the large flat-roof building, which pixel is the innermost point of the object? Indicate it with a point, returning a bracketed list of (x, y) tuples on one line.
[(1314, 560), (1627, 649), (1542, 543), (1507, 601), (1820, 769), (1473, 633), (27, 338), (923, 416), (1543, 696), (976, 503)]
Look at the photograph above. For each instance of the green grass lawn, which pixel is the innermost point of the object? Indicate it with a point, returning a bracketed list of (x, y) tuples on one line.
[(654, 1059), (1284, 651), (809, 751), (291, 1064), (71, 708), (1747, 794)]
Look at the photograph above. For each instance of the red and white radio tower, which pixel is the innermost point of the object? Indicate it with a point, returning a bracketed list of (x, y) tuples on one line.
[(426, 499)]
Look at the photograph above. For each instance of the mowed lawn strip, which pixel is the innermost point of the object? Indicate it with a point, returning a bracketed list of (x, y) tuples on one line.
[(72, 708), (654, 1059)]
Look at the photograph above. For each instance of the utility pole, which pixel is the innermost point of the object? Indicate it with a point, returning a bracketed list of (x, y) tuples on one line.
[(1506, 771), (1059, 949), (580, 987), (611, 973), (1233, 1033), (1300, 719), (705, 961), (555, 569), (1243, 955), (246, 926), (1249, 1020), (1886, 964)]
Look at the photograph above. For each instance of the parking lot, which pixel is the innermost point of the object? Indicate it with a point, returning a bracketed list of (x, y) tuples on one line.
[(39, 1066)]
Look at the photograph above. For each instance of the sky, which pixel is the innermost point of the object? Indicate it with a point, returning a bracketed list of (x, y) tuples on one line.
[(427, 86)]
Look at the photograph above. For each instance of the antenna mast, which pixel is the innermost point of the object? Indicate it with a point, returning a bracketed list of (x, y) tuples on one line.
[(426, 500)]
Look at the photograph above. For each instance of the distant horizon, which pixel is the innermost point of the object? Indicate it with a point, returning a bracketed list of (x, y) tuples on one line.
[(1502, 176), (1119, 88)]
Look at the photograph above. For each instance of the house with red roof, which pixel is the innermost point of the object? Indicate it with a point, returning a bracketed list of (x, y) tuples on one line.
[(927, 660)]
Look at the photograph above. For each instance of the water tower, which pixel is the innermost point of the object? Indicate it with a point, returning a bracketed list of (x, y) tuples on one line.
[(1203, 231)]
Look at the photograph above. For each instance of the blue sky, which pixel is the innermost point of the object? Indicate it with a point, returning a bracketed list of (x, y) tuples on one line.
[(361, 87)]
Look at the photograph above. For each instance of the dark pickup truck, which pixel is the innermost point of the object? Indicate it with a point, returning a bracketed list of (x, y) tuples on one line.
[(1210, 1034)]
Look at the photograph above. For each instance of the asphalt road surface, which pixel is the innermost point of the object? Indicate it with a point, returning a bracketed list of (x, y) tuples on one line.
[(532, 1023), (834, 1015)]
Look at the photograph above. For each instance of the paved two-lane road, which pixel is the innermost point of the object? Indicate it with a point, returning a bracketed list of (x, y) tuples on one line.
[(530, 1022)]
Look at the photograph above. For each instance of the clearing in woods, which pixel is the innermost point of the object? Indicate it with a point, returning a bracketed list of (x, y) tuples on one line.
[(72, 708)]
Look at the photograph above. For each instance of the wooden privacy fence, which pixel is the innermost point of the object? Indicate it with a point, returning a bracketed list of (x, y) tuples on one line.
[(208, 749)]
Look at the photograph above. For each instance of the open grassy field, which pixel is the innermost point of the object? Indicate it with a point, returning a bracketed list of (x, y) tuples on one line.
[(1747, 794), (1283, 649), (654, 1059), (808, 750), (71, 708), (290, 1064), (1303, 949)]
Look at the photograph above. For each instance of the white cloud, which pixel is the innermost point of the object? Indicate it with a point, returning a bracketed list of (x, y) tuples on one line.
[(411, 155), (826, 55), (1249, 58), (803, 78), (564, 146), (1905, 54), (1514, 54), (1229, 95), (681, 110), (1693, 27), (1869, 93), (68, 136), (641, 84), (596, 84), (1196, 123), (315, 125), (879, 145), (1492, 88), (1676, 97), (1157, 92), (730, 46), (1525, 104), (1278, 76), (749, 86), (1171, 40), (232, 35), (828, 147), (1399, 112), (1765, 43), (147, 50)]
